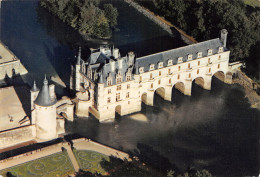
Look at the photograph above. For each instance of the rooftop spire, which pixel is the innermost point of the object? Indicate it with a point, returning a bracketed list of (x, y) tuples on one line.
[(44, 98), (34, 88), (79, 56), (101, 80), (136, 68)]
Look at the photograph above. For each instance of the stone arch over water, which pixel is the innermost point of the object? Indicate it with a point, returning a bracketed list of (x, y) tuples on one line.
[(118, 109), (180, 86), (199, 81), (220, 75)]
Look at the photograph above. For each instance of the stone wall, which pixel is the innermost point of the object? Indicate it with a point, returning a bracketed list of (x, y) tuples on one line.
[(19, 135)]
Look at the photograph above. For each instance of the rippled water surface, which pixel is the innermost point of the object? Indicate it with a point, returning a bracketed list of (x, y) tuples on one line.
[(216, 129)]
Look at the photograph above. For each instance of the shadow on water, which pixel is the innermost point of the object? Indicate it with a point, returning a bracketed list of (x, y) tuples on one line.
[(215, 130)]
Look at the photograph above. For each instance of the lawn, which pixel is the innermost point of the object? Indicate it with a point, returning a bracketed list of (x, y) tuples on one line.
[(90, 160), (54, 165), (254, 3)]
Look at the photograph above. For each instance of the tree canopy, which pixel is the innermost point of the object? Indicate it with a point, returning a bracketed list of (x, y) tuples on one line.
[(85, 16), (203, 19)]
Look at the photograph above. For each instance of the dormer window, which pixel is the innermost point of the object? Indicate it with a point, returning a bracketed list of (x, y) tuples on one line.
[(180, 60), (141, 69), (220, 49), (151, 67), (199, 54), (128, 76), (189, 57), (160, 65), (109, 80), (210, 51), (119, 80), (119, 73), (169, 62)]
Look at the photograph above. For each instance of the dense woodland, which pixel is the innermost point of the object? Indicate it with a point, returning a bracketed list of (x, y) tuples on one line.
[(85, 16), (203, 19)]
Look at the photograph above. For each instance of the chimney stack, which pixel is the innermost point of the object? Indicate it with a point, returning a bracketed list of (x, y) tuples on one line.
[(223, 37)]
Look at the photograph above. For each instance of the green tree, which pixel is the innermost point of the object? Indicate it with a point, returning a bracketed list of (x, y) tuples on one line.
[(111, 14)]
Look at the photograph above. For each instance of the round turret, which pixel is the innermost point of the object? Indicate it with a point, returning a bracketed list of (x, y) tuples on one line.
[(45, 110)]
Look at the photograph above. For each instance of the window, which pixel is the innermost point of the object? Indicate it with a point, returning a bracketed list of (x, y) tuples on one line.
[(160, 65), (179, 68), (151, 75), (119, 80), (128, 78), (189, 57), (198, 71), (218, 66), (152, 85), (159, 82), (160, 73), (128, 102), (127, 95), (169, 62), (209, 70), (219, 57), (178, 76), (189, 75), (169, 71), (199, 54), (170, 81), (140, 78), (151, 67), (198, 63), (128, 86), (189, 65), (209, 60), (141, 69), (109, 91), (118, 87), (220, 49), (109, 82), (117, 96), (108, 100), (210, 51), (180, 60)]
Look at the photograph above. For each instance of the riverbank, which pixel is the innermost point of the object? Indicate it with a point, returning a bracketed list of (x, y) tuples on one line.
[(166, 25), (250, 87)]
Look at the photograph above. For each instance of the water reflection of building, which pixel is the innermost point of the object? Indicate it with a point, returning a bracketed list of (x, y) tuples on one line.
[(10, 65), (107, 83)]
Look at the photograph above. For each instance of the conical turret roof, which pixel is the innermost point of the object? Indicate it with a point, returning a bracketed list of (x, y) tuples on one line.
[(34, 87), (44, 98)]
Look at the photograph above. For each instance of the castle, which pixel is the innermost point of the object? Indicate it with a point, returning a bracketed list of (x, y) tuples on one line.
[(107, 83), (47, 116)]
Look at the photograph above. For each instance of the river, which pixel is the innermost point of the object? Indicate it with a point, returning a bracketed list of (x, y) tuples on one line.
[(215, 130)]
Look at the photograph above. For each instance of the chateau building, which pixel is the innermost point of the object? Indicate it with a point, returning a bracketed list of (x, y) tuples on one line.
[(107, 83)]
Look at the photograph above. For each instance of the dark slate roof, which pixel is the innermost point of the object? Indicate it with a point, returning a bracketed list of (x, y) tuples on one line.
[(34, 88), (101, 63), (43, 98), (174, 54)]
